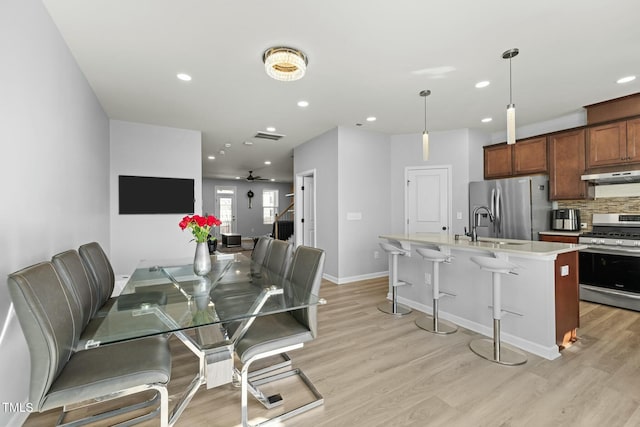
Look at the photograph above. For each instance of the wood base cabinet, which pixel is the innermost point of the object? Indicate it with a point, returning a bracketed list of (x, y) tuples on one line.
[(567, 298)]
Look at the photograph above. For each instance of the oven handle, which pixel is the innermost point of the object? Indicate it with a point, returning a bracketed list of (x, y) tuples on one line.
[(609, 251), (609, 291)]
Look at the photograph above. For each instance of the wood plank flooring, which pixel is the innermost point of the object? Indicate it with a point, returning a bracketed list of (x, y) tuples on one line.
[(377, 370)]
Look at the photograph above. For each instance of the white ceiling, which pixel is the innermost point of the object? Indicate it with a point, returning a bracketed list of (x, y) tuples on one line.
[(366, 58)]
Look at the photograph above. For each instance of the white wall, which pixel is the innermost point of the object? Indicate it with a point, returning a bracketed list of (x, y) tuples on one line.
[(146, 150), (321, 154), (249, 222), (572, 120), (55, 167), (364, 189)]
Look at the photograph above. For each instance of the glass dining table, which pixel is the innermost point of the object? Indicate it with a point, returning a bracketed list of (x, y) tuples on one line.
[(209, 314)]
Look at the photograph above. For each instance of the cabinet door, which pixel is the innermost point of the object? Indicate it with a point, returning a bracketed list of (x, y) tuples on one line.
[(497, 161), (607, 145), (566, 166), (530, 156), (633, 140)]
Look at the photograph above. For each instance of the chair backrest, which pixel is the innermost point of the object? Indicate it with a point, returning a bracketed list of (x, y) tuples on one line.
[(100, 270), (279, 257), (303, 279), (260, 249), (45, 312), (75, 277)]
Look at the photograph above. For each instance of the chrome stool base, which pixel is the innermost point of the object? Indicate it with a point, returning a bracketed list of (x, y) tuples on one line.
[(507, 355), (436, 326), (387, 307)]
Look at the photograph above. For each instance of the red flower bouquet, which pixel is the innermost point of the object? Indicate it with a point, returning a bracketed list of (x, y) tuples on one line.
[(200, 226)]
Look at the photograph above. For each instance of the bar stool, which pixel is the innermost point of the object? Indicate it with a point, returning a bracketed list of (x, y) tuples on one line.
[(432, 323), (392, 307), (494, 351)]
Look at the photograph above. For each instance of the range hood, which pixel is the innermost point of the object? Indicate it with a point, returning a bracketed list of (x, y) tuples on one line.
[(613, 177)]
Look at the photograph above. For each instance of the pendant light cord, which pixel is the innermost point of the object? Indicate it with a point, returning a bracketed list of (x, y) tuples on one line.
[(425, 114), (510, 84)]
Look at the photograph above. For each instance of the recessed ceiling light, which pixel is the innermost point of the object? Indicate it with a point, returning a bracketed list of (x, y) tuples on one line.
[(237, 177), (626, 79), (211, 157), (267, 162), (227, 145), (482, 84), (248, 143), (273, 179), (371, 119), (303, 104), (184, 77), (486, 120), (271, 129)]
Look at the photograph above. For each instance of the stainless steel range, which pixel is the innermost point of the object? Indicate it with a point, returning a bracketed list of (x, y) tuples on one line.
[(610, 266)]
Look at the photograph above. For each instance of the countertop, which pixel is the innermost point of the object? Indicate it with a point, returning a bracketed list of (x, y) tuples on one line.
[(561, 233), (520, 247)]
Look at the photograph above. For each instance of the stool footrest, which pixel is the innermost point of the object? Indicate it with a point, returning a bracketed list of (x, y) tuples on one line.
[(446, 294), (504, 310), (401, 283)]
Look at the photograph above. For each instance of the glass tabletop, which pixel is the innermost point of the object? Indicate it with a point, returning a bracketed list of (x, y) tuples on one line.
[(167, 296)]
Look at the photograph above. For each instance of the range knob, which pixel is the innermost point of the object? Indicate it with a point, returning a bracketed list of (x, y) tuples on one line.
[(619, 242)]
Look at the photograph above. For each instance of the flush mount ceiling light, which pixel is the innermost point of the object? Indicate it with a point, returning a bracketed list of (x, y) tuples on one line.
[(511, 108), (285, 63), (425, 134)]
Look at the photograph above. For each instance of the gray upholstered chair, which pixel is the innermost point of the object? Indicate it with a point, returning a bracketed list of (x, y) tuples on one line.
[(75, 277), (60, 377), (279, 333), (279, 257), (261, 249), (102, 279)]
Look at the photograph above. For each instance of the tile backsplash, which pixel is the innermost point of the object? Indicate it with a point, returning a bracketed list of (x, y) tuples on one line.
[(603, 205)]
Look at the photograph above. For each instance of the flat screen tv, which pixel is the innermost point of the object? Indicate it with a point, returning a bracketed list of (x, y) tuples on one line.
[(153, 195)]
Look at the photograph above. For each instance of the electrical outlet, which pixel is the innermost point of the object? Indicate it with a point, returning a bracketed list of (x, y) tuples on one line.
[(583, 225), (427, 278), (376, 255)]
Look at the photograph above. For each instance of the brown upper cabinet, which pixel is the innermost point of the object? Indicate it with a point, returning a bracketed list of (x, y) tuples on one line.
[(525, 157), (614, 144), (567, 165)]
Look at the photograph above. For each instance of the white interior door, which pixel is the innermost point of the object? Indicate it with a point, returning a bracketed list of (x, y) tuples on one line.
[(308, 209), (305, 208), (226, 208), (427, 200)]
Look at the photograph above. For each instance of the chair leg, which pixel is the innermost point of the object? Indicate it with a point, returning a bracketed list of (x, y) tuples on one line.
[(269, 402)]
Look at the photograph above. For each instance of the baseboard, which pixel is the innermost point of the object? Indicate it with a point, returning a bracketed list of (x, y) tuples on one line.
[(351, 279), (549, 353)]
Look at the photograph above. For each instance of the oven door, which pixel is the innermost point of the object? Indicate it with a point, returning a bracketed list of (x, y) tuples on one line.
[(611, 268), (610, 276)]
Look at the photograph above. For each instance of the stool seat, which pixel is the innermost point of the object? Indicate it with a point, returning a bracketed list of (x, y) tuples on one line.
[(432, 255), (392, 307), (496, 265), (495, 351), (433, 323)]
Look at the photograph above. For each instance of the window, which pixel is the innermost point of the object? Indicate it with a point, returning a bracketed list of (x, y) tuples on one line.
[(269, 206)]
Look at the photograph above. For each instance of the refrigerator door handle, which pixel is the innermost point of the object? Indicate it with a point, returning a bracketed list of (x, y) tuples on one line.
[(493, 212), (497, 215)]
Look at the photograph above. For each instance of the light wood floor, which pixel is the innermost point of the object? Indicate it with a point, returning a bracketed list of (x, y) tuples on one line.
[(377, 370)]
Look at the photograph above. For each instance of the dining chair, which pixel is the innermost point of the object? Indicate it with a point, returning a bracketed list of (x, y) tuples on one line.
[(61, 377), (261, 249), (279, 257), (75, 278), (102, 279), (279, 333)]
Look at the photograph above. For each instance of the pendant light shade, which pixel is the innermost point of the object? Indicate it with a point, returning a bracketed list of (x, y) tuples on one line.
[(425, 133), (511, 108)]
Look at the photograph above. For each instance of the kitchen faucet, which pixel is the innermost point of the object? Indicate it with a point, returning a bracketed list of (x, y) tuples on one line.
[(474, 234)]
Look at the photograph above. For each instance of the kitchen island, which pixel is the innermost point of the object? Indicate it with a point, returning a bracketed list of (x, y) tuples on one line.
[(542, 297)]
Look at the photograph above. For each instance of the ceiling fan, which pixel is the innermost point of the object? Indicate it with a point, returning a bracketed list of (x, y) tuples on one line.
[(251, 178)]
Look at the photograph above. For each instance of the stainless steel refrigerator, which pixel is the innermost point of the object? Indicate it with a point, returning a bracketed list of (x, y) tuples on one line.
[(520, 207)]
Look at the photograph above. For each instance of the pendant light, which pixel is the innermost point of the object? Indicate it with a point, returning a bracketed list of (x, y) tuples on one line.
[(511, 108), (425, 134)]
